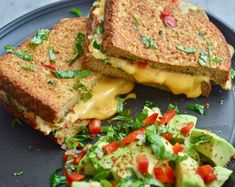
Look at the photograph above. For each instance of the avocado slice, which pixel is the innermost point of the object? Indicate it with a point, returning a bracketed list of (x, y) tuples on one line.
[(186, 174), (86, 184), (176, 124), (222, 175), (217, 150)]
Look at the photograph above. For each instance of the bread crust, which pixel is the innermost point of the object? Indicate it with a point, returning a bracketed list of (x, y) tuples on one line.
[(31, 89), (121, 40)]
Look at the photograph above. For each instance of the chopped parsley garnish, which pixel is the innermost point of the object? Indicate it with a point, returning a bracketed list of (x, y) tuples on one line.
[(201, 34), (76, 11), (203, 58), (232, 73), (217, 59), (52, 54), (174, 107), (96, 45), (18, 173), (149, 43), (197, 108), (51, 82), (119, 104), (100, 27), (86, 94), (65, 74), (80, 41), (196, 140), (29, 68), (74, 142), (20, 54), (16, 122), (41, 34), (56, 180), (186, 49)]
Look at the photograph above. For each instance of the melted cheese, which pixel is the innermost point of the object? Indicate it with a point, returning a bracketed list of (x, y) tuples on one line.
[(102, 105)]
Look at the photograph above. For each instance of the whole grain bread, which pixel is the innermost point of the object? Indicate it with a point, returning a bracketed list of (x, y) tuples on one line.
[(90, 62), (34, 89), (122, 39)]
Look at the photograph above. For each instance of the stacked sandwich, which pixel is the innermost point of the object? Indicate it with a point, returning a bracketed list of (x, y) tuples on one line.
[(51, 81)]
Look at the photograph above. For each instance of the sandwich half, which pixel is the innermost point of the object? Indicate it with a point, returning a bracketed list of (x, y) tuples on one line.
[(42, 83), (167, 44)]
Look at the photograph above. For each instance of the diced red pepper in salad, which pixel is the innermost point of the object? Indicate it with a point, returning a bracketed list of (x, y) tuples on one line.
[(94, 127), (207, 173), (177, 148), (164, 174), (75, 176), (167, 136), (143, 164), (186, 129), (167, 116), (110, 147), (131, 137), (151, 119), (79, 157)]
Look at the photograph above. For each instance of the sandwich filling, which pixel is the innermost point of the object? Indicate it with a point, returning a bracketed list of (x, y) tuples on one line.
[(102, 105), (177, 83)]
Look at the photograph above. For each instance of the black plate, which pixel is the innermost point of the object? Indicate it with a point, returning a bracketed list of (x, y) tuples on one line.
[(26, 149)]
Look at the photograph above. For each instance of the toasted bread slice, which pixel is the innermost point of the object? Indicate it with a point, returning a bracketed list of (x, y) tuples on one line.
[(99, 60), (122, 39), (33, 89)]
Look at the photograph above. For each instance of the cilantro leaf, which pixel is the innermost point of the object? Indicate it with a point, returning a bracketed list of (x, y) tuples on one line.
[(18, 173), (76, 11), (96, 45), (100, 27), (203, 59), (83, 74), (197, 108), (56, 180), (29, 68), (199, 139), (149, 43), (186, 49), (16, 122), (73, 142), (174, 107), (66, 74), (20, 54), (41, 34), (232, 73), (51, 53)]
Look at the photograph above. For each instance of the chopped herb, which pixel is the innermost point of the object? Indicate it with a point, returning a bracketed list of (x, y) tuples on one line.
[(186, 49), (87, 96), (83, 74), (51, 82), (136, 23), (96, 45), (20, 54), (201, 34), (100, 27), (76, 11), (80, 40), (29, 68), (16, 122), (74, 142), (199, 139), (67, 74), (41, 34), (80, 86), (197, 108), (232, 73), (217, 59), (149, 43), (18, 173), (150, 104), (56, 180), (105, 60), (51, 53), (203, 59), (120, 105), (174, 107)]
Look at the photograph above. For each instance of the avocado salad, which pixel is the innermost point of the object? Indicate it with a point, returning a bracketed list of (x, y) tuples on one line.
[(148, 149)]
